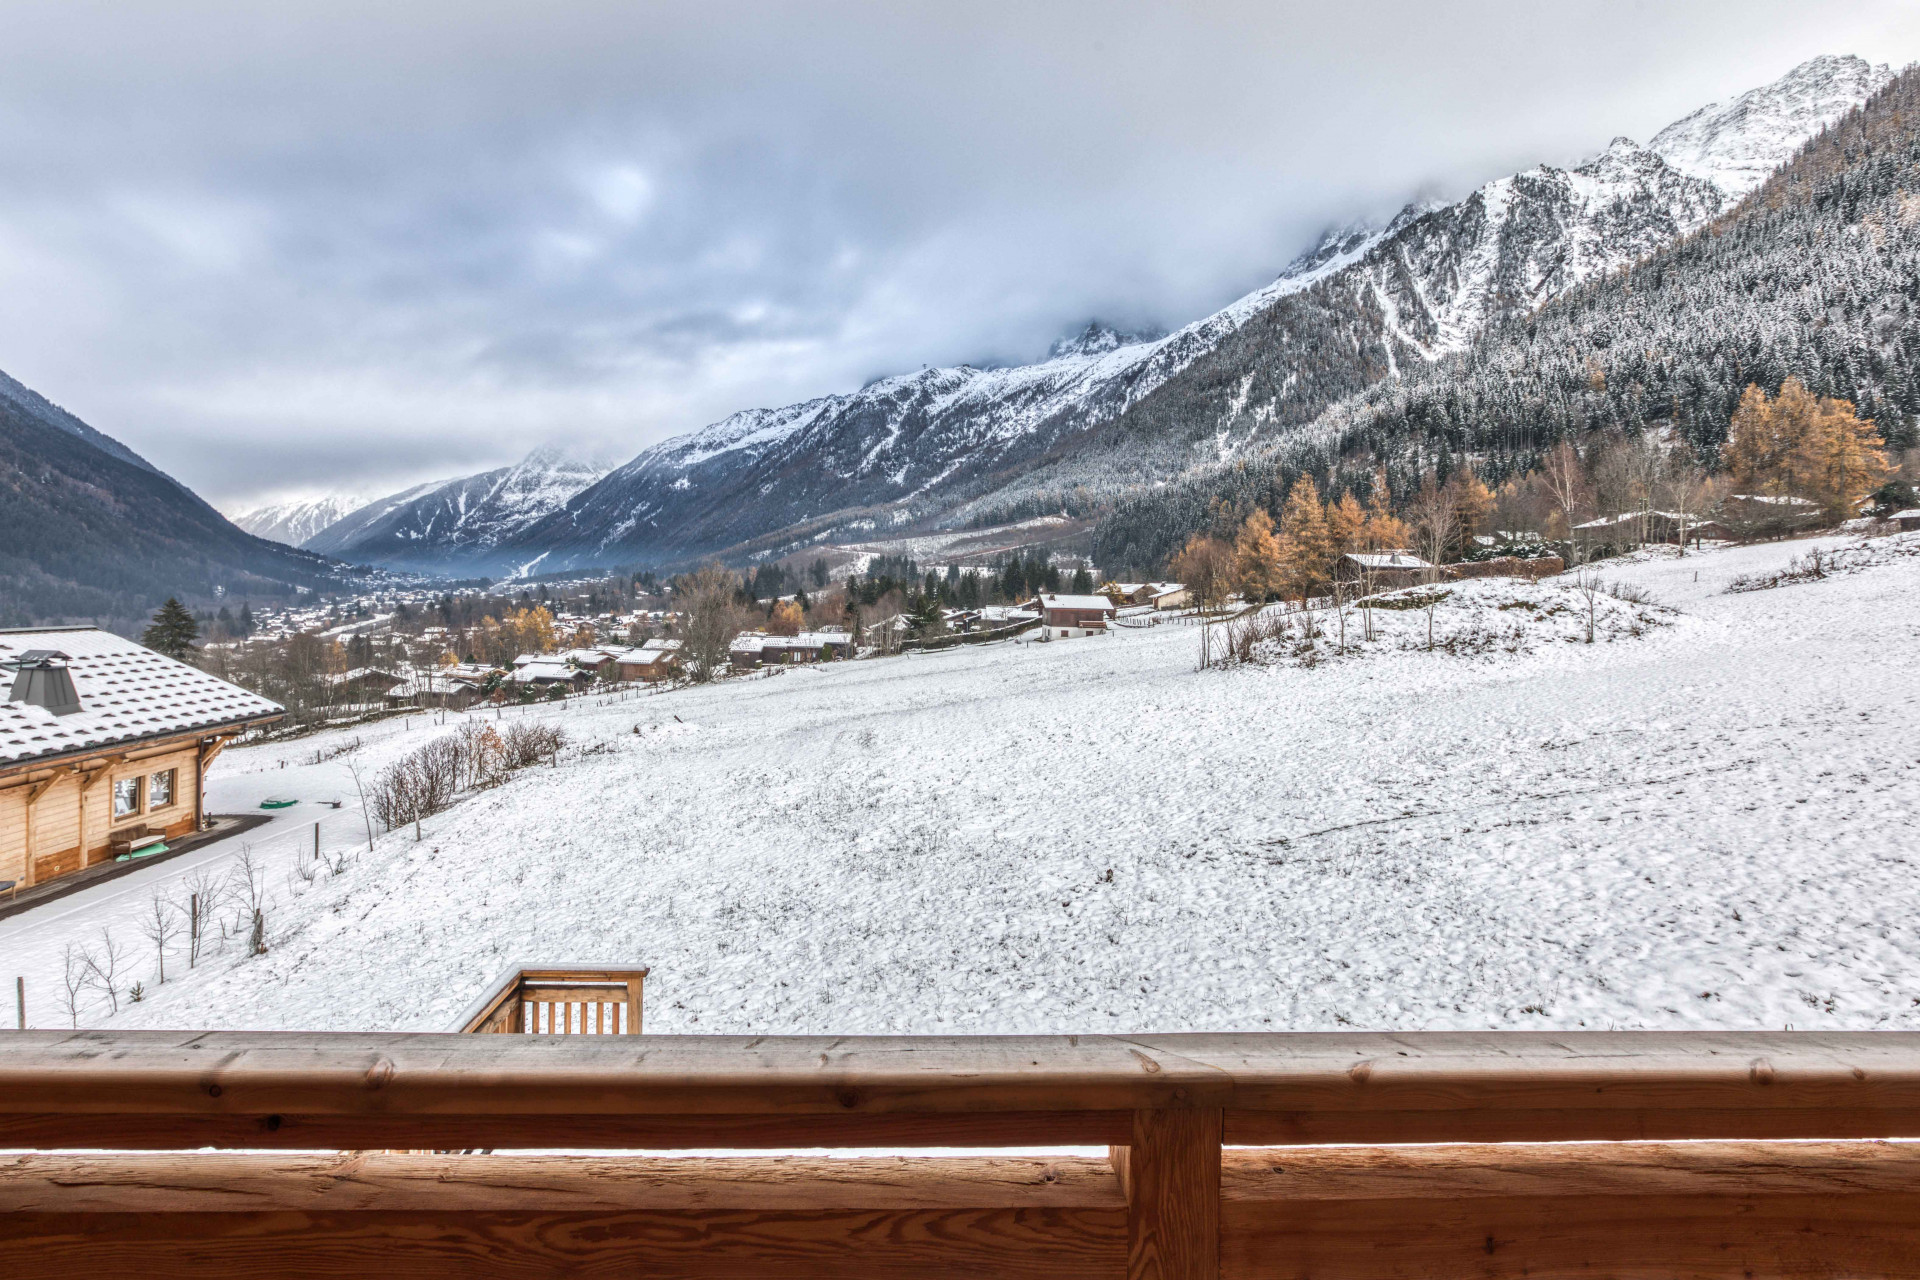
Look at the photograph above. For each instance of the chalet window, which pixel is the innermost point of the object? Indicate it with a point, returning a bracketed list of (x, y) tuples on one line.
[(160, 789), (126, 798)]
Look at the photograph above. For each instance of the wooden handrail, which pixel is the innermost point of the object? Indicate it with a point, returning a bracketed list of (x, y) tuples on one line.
[(219, 1088), (1174, 1201)]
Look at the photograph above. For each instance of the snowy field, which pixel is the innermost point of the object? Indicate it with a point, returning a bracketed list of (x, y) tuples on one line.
[(1708, 823)]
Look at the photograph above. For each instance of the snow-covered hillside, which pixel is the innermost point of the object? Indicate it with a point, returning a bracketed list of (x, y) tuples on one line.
[(1703, 825), (296, 521), (1107, 414)]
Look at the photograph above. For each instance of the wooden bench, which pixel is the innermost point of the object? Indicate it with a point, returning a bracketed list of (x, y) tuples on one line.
[(128, 839)]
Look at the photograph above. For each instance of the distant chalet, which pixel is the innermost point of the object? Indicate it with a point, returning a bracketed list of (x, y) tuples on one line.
[(104, 747), (1065, 616)]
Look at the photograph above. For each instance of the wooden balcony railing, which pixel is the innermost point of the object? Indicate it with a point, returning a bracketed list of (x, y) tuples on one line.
[(559, 1000), (1553, 1155)]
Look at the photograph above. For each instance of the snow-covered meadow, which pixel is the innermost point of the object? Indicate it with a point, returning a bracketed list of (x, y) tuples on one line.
[(1705, 824)]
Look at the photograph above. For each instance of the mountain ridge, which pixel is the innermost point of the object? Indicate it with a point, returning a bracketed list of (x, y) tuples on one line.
[(970, 445)]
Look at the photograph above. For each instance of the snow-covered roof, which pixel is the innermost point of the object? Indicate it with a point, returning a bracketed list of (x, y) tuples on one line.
[(748, 642), (432, 682), (127, 693), (1048, 600), (546, 669), (1778, 500), (1387, 560), (362, 673), (1911, 513), (662, 643), (643, 657), (587, 657), (1166, 589)]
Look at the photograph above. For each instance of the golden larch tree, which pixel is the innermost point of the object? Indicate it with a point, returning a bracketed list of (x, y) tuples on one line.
[(1256, 558), (1306, 547)]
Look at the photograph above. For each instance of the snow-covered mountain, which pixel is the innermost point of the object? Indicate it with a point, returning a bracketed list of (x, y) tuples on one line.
[(1104, 414), (457, 523), (1736, 144), (294, 522)]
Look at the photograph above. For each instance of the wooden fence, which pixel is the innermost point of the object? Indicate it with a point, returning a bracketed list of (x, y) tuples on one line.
[(559, 1000), (1590, 1154)]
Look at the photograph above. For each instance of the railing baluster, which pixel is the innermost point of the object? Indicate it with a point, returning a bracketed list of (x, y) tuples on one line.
[(1171, 1178)]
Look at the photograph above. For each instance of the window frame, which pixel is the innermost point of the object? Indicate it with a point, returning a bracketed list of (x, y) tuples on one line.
[(138, 782), (173, 789)]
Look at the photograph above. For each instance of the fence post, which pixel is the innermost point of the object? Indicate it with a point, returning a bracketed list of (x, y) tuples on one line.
[(1171, 1178), (20, 1001)]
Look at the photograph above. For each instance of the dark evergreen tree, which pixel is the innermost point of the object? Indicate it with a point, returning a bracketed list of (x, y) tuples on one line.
[(172, 631)]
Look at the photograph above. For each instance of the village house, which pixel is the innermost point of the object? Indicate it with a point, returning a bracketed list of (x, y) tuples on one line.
[(104, 748), (753, 649), (1167, 595), (598, 661), (362, 685), (440, 688), (743, 654), (1384, 570), (1908, 520), (652, 662), (1066, 616), (545, 672), (1161, 595)]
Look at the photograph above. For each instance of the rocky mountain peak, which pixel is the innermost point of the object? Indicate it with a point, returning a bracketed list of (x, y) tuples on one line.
[(1097, 339), (1735, 144)]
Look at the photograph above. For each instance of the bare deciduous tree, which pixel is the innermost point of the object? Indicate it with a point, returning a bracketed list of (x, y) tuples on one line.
[(73, 979), (712, 619), (161, 925), (104, 966)]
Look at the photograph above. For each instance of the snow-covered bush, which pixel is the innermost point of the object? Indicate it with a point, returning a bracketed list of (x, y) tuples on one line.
[(1481, 616)]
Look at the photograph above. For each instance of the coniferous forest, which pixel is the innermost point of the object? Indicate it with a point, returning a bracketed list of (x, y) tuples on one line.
[(1816, 276)]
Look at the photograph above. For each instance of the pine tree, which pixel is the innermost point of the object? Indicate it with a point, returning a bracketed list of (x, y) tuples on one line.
[(1256, 558), (172, 631)]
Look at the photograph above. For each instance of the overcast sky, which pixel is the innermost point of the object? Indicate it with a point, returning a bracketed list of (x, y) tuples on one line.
[(309, 246)]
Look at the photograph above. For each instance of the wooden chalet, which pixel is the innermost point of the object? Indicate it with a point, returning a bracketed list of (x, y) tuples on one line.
[(104, 748), (652, 662), (1067, 615), (1384, 570)]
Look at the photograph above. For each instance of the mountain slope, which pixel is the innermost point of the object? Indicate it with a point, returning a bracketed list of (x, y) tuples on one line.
[(457, 524), (86, 533), (292, 523), (1815, 276), (1104, 416), (30, 404)]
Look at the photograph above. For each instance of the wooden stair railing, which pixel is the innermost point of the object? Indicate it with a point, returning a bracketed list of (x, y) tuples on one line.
[(559, 1000), (1584, 1154)]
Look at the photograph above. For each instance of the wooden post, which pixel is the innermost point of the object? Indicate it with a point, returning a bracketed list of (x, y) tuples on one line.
[(1171, 1178), (634, 985), (20, 1001)]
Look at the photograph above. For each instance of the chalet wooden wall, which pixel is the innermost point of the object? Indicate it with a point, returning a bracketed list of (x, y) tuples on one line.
[(58, 811)]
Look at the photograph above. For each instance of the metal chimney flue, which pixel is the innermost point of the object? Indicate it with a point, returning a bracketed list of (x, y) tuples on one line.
[(41, 679)]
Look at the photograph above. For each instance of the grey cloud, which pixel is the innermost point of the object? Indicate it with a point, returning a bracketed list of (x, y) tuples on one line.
[(332, 245)]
